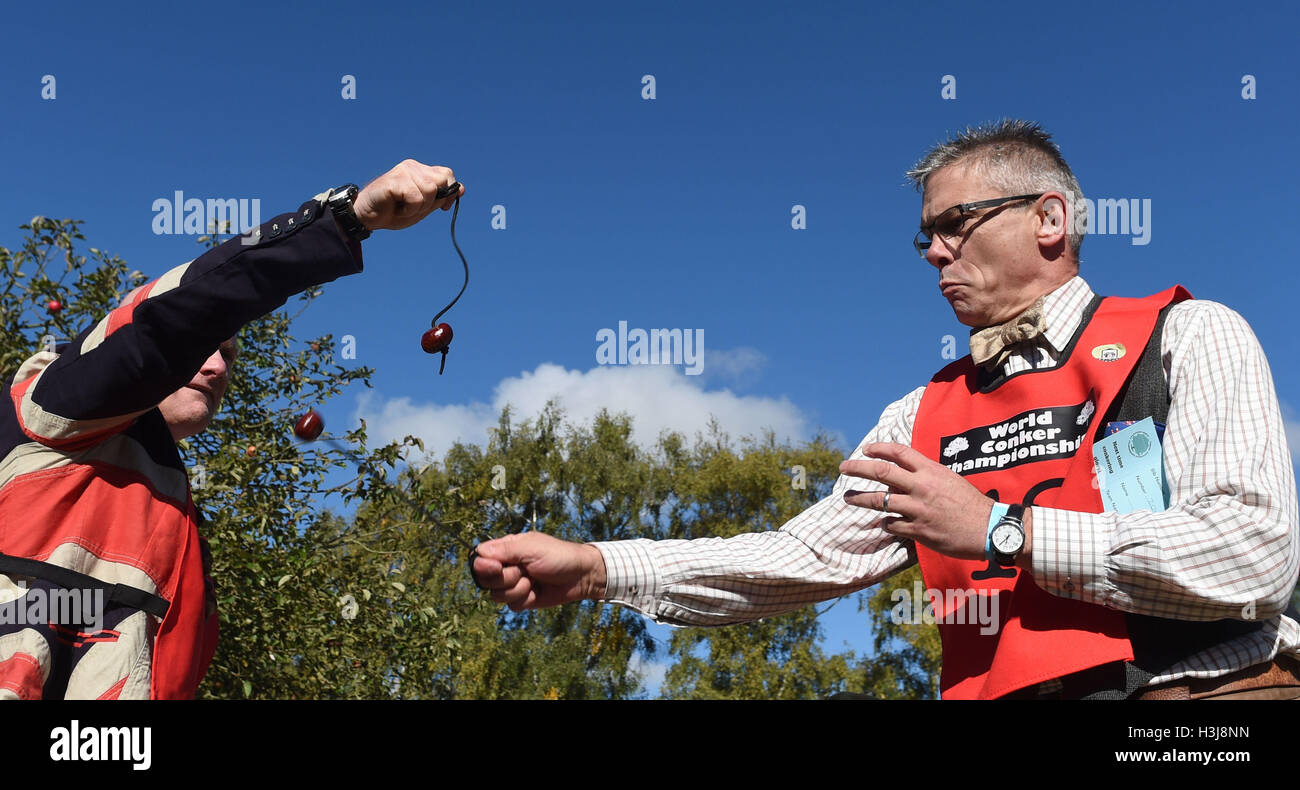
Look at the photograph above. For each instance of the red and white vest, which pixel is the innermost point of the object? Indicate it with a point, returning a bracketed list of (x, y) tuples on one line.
[(1028, 438)]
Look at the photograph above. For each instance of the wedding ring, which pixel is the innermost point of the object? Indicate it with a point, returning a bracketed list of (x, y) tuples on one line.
[(886, 505)]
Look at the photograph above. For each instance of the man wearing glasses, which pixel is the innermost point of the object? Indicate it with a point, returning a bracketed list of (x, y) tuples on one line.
[(986, 477)]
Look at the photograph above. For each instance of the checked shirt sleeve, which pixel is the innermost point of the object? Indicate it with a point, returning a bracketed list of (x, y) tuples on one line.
[(1227, 547), (830, 549)]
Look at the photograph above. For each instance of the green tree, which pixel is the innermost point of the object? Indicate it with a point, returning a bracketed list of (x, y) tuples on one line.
[(45, 268), (315, 605), (723, 492), (373, 599), (907, 655)]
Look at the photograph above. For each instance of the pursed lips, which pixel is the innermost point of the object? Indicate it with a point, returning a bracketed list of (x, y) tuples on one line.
[(207, 393)]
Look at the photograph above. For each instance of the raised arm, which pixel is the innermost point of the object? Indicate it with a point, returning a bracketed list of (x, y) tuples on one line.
[(147, 348)]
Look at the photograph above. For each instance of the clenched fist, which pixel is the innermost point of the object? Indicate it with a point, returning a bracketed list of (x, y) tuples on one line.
[(534, 571), (404, 195)]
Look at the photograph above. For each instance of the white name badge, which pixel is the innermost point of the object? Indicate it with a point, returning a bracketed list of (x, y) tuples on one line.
[(1130, 470)]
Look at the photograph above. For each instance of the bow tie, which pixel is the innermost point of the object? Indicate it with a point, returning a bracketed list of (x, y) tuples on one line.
[(992, 345)]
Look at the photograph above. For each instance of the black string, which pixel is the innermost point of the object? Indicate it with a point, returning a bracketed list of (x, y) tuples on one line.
[(455, 211)]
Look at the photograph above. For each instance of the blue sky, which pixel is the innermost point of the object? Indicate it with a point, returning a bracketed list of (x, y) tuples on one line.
[(671, 212)]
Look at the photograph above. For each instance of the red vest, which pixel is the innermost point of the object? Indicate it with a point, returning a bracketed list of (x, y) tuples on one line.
[(1029, 439), (116, 515)]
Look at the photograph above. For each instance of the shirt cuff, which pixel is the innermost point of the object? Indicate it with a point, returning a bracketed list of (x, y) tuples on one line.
[(631, 578), (1069, 554)]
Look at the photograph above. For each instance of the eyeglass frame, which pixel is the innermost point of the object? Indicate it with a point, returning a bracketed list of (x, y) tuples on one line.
[(964, 209)]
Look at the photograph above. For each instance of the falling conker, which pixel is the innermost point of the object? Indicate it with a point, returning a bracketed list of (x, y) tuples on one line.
[(436, 339), (309, 426)]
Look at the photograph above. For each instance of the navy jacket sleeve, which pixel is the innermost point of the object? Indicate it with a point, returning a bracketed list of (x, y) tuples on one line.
[(150, 347)]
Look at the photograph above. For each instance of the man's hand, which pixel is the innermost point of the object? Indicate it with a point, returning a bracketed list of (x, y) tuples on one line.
[(936, 507), (404, 195), (534, 571)]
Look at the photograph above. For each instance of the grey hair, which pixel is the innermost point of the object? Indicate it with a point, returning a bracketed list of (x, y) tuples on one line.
[(1014, 156)]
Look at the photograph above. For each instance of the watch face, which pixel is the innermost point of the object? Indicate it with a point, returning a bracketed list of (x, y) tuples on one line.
[(1008, 538)]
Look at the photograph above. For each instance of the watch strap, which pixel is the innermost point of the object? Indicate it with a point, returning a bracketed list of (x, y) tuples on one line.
[(340, 201), (995, 516)]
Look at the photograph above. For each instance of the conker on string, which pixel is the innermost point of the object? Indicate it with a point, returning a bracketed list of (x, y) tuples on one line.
[(436, 339), (309, 426)]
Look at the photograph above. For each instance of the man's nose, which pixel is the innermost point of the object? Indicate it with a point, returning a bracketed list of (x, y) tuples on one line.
[(215, 365), (938, 255)]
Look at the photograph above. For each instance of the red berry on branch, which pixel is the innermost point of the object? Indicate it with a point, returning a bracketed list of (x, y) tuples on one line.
[(309, 426), (54, 305), (436, 339)]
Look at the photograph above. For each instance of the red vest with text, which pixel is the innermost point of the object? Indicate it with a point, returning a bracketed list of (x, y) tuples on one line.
[(1028, 439)]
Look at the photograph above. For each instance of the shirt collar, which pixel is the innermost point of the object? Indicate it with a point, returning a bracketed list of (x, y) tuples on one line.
[(1063, 310)]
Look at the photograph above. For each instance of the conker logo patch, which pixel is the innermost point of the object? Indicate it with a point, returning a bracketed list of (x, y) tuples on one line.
[(1034, 435)]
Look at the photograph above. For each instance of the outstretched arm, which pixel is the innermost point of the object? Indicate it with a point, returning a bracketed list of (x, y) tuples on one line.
[(149, 347), (830, 549)]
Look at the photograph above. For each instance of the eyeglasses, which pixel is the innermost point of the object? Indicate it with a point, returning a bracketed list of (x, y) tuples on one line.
[(949, 222)]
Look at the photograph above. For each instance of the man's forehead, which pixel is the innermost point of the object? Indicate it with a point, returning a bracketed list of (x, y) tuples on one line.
[(949, 186)]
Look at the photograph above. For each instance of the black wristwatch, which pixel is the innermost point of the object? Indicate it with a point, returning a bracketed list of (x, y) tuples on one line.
[(340, 201), (1008, 536)]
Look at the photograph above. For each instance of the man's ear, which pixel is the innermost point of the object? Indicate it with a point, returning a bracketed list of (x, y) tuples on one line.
[(1053, 217)]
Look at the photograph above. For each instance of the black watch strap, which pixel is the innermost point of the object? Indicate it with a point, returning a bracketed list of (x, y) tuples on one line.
[(340, 201)]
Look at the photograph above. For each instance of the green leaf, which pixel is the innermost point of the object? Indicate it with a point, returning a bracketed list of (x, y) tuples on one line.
[(274, 517)]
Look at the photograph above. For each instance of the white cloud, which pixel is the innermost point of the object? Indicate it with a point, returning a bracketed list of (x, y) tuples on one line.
[(658, 397), (652, 673), (737, 365), (439, 426)]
